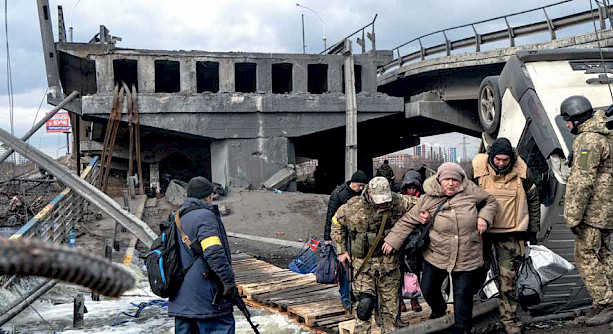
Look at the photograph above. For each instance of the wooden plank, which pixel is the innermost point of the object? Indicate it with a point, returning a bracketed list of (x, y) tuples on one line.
[(313, 311), (272, 287), (297, 292), (283, 304), (333, 321), (289, 291)]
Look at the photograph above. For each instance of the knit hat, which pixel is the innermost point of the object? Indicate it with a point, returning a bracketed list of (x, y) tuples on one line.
[(359, 177), (501, 146), (450, 170), (199, 187)]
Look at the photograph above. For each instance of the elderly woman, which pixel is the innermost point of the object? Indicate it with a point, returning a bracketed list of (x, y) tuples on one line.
[(455, 244)]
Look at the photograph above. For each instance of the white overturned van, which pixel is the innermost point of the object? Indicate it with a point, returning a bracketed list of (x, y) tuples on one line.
[(523, 105)]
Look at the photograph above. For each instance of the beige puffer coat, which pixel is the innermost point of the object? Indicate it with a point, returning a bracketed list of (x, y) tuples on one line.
[(455, 243)]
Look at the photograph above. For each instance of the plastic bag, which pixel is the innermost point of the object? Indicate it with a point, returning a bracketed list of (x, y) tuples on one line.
[(549, 265), (328, 266), (410, 287), (528, 284)]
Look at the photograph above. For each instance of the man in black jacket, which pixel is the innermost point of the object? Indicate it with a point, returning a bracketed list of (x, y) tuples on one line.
[(340, 196)]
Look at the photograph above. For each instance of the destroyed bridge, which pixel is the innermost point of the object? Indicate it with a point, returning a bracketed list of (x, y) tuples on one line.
[(240, 117)]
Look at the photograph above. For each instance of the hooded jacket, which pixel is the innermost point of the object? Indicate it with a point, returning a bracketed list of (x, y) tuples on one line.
[(195, 297), (589, 189), (455, 243), (412, 178), (339, 196)]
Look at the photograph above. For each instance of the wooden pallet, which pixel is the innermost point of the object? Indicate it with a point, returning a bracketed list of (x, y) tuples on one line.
[(281, 290)]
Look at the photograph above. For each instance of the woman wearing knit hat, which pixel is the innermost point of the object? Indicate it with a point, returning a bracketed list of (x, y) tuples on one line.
[(455, 243)]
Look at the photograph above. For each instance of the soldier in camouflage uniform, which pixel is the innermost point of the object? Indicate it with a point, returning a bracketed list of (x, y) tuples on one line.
[(588, 206), (504, 175), (376, 278)]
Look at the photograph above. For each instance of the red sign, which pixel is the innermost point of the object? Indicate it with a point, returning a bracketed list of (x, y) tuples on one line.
[(60, 122)]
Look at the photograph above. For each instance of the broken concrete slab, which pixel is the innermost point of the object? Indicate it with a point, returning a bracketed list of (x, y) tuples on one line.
[(176, 192), (281, 178)]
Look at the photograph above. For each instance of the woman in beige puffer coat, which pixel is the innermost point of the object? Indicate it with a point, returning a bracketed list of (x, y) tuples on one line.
[(455, 243)]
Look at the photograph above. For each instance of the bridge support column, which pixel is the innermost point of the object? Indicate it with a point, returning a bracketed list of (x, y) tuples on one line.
[(249, 162)]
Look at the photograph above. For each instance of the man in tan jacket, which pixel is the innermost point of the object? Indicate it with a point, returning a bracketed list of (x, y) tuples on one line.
[(506, 176)]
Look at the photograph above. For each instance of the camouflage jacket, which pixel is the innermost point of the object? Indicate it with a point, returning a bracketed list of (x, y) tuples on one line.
[(360, 215), (589, 190)]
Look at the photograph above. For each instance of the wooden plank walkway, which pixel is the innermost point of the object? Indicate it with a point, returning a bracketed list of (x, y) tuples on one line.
[(299, 297)]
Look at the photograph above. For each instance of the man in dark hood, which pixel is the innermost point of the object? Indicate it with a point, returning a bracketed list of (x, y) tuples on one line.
[(504, 175), (412, 184)]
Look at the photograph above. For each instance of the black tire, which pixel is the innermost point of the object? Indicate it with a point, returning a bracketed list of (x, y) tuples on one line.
[(489, 103), (28, 257)]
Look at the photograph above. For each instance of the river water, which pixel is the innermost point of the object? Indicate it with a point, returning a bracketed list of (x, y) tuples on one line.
[(56, 308)]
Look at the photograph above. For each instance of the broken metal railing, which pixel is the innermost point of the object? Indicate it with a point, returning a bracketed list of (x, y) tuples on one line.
[(361, 41), (54, 222), (510, 33)]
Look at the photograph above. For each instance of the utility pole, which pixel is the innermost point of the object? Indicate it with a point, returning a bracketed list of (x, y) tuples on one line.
[(351, 135), (303, 43), (51, 63), (464, 155)]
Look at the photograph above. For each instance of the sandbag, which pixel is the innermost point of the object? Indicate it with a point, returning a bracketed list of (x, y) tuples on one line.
[(549, 265)]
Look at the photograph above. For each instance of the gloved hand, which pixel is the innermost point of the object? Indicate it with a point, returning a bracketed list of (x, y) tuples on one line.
[(229, 290), (532, 238)]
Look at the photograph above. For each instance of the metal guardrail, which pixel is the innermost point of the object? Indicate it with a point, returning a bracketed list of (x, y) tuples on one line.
[(551, 25), (340, 45), (54, 222)]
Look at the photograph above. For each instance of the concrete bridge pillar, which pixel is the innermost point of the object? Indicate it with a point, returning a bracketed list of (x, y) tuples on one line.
[(250, 162)]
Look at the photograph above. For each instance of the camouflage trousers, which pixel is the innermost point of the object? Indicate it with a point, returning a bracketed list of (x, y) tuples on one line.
[(379, 277), (595, 262), (508, 254)]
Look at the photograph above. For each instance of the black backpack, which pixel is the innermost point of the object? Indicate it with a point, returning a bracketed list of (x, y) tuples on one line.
[(163, 260)]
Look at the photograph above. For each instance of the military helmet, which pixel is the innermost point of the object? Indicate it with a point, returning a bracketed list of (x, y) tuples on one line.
[(379, 190), (574, 107)]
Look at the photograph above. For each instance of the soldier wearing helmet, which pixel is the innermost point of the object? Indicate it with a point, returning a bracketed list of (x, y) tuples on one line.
[(366, 220), (588, 208)]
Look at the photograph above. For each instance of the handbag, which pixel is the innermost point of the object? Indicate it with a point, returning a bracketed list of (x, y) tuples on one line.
[(328, 266), (410, 286), (419, 238)]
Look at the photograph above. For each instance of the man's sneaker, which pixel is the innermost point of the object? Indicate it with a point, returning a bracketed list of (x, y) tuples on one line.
[(604, 316), (415, 305)]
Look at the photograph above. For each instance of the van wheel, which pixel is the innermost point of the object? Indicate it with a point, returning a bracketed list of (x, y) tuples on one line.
[(489, 104)]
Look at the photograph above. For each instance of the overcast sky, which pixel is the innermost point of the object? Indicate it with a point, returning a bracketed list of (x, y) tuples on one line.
[(234, 25)]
